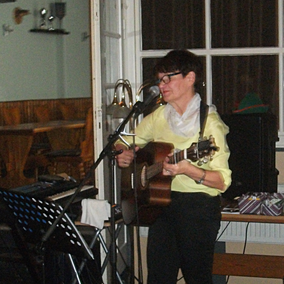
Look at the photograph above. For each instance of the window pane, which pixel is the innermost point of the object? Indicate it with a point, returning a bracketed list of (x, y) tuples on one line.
[(110, 18), (166, 25), (112, 61), (244, 23), (148, 76), (235, 76), (148, 67)]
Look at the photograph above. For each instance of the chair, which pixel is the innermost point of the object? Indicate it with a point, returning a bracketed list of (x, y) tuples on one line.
[(35, 160), (80, 158), (68, 112), (42, 113), (12, 116)]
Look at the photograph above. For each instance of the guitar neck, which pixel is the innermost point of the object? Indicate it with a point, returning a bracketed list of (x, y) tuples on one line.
[(158, 167), (178, 156), (154, 170), (194, 153)]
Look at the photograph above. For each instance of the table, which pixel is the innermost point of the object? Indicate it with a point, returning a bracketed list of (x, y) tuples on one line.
[(16, 142), (266, 266)]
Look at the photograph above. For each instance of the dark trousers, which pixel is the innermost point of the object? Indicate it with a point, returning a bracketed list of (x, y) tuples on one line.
[(184, 237)]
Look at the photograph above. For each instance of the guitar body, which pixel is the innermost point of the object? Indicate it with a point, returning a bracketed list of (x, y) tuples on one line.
[(144, 189), (152, 193)]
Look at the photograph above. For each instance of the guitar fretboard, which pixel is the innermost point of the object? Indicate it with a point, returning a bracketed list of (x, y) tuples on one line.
[(195, 152)]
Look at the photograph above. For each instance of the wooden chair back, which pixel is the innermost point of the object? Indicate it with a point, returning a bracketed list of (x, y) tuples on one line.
[(42, 113), (68, 112), (88, 143), (12, 116)]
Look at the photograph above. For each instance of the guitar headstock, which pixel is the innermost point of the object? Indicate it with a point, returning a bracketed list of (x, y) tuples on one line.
[(202, 151)]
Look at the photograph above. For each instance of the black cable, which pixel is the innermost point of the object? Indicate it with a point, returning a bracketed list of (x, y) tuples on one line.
[(246, 237), (223, 231)]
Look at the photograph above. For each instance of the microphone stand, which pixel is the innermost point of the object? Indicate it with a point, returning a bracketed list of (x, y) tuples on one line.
[(107, 151)]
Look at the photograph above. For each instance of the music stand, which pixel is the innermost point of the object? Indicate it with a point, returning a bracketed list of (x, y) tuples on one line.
[(35, 216)]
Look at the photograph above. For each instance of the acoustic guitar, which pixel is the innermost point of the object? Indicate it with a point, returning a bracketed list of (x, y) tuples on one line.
[(144, 189)]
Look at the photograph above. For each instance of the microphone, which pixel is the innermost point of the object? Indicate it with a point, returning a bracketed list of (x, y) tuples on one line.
[(139, 107), (154, 91)]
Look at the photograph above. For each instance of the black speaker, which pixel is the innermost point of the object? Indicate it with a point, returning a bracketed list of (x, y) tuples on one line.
[(252, 142)]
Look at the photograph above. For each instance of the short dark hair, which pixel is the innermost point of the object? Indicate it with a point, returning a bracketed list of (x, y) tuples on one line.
[(181, 60)]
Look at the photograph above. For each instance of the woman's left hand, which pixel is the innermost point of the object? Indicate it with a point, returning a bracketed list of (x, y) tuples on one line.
[(174, 169)]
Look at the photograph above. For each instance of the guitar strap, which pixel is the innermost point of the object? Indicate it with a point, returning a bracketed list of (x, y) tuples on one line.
[(203, 117)]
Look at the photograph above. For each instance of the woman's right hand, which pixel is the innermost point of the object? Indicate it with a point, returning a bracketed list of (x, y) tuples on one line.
[(125, 158)]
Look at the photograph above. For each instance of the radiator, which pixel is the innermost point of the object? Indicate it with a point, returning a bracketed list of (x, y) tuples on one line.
[(252, 232)]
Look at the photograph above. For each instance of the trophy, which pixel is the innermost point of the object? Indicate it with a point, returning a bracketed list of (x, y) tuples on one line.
[(50, 21), (43, 13), (59, 11)]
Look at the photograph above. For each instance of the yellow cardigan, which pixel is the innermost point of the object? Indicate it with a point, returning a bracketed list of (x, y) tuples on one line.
[(154, 127)]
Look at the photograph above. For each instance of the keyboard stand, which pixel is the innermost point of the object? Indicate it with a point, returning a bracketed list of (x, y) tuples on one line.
[(34, 217), (99, 237)]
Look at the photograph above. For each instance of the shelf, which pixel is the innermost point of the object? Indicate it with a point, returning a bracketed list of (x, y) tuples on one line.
[(56, 31)]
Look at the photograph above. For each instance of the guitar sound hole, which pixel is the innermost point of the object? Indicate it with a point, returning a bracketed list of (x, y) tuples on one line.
[(143, 178)]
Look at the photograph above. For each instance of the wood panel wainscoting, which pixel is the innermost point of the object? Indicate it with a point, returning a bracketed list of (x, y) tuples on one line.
[(28, 108)]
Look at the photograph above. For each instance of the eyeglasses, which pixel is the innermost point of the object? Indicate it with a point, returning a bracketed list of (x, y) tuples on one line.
[(166, 79)]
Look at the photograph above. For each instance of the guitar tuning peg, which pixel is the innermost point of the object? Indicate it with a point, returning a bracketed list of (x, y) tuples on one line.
[(200, 162), (205, 160)]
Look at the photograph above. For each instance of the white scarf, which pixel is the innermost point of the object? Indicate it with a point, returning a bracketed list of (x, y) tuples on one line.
[(186, 124)]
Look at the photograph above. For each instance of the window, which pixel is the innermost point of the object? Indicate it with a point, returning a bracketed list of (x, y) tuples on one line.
[(171, 24), (242, 23), (240, 42)]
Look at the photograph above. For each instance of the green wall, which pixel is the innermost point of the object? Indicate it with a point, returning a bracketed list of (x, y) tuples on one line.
[(44, 66)]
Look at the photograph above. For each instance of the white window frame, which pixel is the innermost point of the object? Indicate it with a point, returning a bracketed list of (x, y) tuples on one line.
[(208, 52), (100, 99)]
